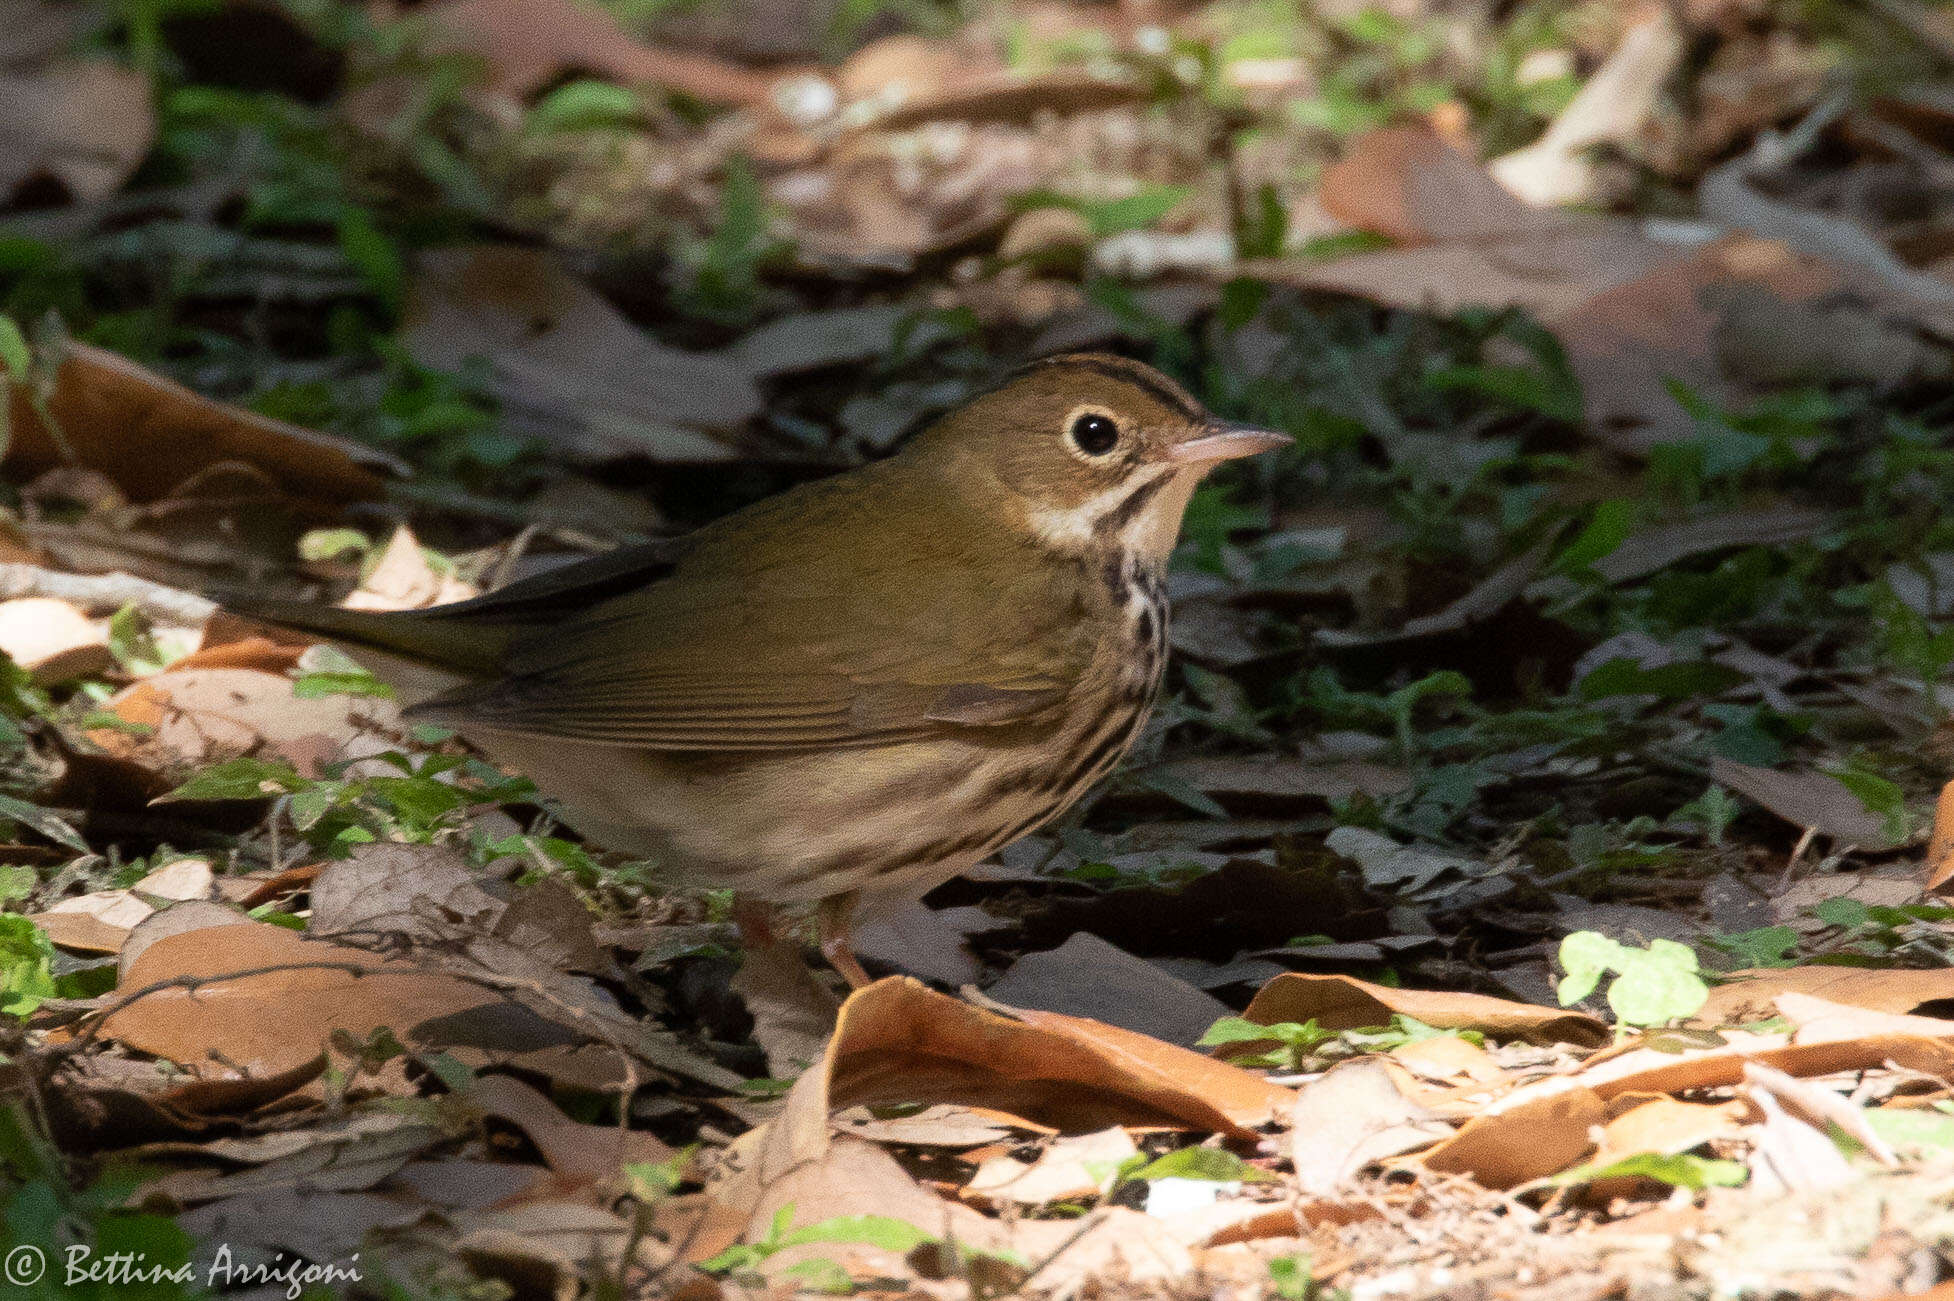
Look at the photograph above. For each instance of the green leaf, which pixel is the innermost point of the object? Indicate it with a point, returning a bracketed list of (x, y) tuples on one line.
[(43, 821), (16, 882), (1842, 911), (1293, 1278), (15, 355), (1911, 1127), (330, 544), (1607, 528), (240, 779), (1879, 796), (1585, 956), (1652, 986), (375, 256), (1765, 946), (819, 1274), (585, 105), (1234, 1030), (1654, 990), (1212, 1164), (1678, 1171), (132, 644), (882, 1231), (310, 686), (26, 965)]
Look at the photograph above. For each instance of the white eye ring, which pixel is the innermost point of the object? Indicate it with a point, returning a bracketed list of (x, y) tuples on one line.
[(1092, 433)]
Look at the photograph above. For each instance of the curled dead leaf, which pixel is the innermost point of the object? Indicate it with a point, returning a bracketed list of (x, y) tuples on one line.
[(149, 434)]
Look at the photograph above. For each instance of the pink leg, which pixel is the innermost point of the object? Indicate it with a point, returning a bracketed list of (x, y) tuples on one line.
[(836, 916)]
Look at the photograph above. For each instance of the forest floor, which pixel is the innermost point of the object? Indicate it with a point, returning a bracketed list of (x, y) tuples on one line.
[(1527, 887)]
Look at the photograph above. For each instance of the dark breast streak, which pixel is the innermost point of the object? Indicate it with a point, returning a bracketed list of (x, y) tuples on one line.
[(1083, 755), (1055, 772)]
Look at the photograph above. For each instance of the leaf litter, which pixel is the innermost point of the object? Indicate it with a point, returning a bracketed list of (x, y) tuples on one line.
[(1592, 653)]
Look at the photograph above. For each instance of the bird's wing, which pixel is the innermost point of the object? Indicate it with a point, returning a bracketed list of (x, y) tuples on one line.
[(735, 710), (810, 639)]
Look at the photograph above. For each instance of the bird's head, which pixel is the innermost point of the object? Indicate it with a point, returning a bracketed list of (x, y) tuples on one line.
[(1090, 451)]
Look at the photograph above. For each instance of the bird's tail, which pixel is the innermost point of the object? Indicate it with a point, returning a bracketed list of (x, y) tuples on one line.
[(430, 638)]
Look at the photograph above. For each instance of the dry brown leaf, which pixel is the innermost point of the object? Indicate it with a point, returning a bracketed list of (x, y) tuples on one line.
[(115, 908), (195, 915), (593, 1154), (81, 932), (853, 1177), (1809, 799), (102, 921), (1353, 1116), (1087, 977), (1651, 550), (1752, 995), (268, 1023), (545, 1248), (1940, 849), (304, 1221), (932, 944), (793, 1011), (1789, 1153), (84, 124), (1657, 1123), (53, 640), (939, 1126), (1004, 95), (566, 366), (898, 1041), (1447, 1058), (531, 44), (405, 579), (1829, 1037), (1069, 1169), (1524, 1136), (1613, 107), (1409, 184), (1721, 319), (149, 435), (201, 716), (1346, 1003), (340, 1155), (1116, 1243)]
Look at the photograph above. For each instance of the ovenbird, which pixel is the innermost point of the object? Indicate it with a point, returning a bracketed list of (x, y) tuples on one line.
[(861, 686)]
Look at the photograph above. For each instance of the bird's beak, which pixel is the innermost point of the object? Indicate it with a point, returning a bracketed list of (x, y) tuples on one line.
[(1221, 440)]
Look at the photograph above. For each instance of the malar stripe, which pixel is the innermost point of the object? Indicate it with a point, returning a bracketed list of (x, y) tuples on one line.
[(1123, 513)]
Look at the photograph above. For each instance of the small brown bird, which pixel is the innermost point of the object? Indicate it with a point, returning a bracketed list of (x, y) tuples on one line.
[(862, 686)]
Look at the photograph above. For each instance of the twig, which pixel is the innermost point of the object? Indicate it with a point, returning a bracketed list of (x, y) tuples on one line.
[(107, 593)]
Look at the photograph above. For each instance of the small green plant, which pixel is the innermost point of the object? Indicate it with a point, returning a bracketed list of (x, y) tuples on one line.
[(44, 1213), (335, 813), (1763, 946), (1293, 1278), (1678, 1170), (1880, 797), (1652, 986), (26, 966), (724, 269), (1293, 1046), (742, 1261)]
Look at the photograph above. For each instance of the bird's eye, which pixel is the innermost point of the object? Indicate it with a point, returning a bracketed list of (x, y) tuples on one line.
[(1094, 434)]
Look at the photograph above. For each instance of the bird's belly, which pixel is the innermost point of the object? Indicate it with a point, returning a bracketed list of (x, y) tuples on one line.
[(803, 825)]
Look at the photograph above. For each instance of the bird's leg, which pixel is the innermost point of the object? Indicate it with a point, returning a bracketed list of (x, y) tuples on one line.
[(835, 920), (754, 917)]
